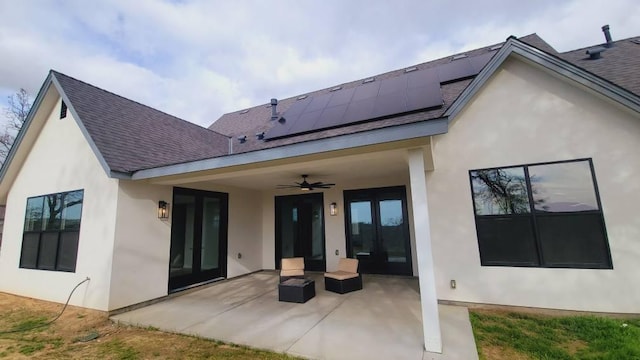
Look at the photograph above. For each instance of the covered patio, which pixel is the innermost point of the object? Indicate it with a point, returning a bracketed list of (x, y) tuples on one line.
[(382, 321)]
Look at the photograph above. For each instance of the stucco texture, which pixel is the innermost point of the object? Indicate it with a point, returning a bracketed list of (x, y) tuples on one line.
[(524, 114), (61, 160)]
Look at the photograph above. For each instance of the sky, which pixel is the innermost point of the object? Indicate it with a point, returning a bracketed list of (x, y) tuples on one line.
[(200, 59)]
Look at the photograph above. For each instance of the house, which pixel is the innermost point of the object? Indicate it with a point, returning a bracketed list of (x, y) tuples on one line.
[(504, 175)]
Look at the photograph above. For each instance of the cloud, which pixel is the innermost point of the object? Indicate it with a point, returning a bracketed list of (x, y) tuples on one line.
[(199, 59)]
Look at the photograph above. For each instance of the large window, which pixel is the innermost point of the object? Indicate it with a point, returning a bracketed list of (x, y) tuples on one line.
[(546, 215), (51, 231)]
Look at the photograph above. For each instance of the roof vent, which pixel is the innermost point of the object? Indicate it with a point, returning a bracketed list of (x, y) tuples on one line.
[(242, 139), (607, 36), (413, 68), (336, 88), (458, 57), (260, 135), (274, 109), (594, 52), (244, 111), (371, 79), (495, 47), (302, 97), (636, 41)]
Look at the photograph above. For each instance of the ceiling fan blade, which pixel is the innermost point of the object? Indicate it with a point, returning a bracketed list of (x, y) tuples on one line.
[(287, 186)]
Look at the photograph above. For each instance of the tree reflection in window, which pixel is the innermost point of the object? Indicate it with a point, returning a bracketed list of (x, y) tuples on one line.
[(500, 191)]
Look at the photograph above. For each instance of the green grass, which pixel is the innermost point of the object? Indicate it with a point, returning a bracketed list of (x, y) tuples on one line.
[(557, 338)]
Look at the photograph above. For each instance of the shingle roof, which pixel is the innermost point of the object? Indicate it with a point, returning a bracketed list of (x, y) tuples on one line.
[(131, 136), (249, 122), (619, 64)]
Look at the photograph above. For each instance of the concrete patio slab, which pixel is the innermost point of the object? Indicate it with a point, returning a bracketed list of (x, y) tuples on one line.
[(382, 321)]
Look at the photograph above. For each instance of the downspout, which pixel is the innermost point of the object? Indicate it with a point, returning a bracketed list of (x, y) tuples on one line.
[(230, 145)]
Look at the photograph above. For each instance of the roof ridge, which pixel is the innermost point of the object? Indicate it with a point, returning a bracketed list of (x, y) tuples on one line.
[(55, 72)]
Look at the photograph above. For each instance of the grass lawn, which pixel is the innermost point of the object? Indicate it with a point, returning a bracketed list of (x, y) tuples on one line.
[(515, 336), (88, 334)]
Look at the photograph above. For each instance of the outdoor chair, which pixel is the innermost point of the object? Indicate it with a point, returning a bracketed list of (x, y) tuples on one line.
[(292, 268), (345, 279)]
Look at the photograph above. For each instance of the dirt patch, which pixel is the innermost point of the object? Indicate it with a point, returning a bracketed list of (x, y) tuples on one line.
[(491, 352), (88, 334)]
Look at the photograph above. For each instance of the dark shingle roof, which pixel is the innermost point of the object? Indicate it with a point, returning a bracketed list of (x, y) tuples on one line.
[(619, 64), (257, 119), (131, 136)]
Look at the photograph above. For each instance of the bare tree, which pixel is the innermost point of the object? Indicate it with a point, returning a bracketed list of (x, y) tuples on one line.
[(16, 111)]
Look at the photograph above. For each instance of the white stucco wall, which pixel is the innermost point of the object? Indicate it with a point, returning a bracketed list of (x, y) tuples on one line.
[(142, 243), (61, 160), (245, 232), (525, 115)]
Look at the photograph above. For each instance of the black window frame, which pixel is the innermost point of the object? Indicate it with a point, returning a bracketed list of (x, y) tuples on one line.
[(63, 258), (535, 217)]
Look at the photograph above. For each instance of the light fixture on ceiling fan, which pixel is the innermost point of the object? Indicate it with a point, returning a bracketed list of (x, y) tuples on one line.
[(307, 186)]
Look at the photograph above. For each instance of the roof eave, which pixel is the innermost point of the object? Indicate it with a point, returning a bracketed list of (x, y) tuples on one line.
[(548, 61), (9, 160), (341, 142)]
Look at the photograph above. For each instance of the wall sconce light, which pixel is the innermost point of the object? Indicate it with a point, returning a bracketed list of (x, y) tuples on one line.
[(333, 209), (163, 210)]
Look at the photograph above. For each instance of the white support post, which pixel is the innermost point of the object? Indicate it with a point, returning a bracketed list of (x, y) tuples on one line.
[(428, 296)]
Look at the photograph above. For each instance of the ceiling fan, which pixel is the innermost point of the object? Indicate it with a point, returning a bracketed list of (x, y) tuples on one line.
[(307, 186)]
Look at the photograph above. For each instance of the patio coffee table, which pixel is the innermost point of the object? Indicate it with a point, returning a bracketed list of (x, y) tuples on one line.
[(296, 290)]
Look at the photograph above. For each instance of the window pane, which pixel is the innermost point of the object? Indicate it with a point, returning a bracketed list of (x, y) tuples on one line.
[(52, 212), (182, 236), (68, 251), (573, 240), (500, 191), (361, 228), (29, 257), (33, 217), (210, 240), (48, 251), (72, 210), (564, 187), (507, 241), (392, 230)]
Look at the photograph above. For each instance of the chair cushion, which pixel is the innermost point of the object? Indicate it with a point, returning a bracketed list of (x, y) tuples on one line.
[(293, 264), (292, 272), (341, 275), (348, 265)]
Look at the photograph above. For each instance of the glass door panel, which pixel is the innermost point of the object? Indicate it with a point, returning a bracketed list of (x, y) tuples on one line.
[(198, 237), (209, 258), (316, 251), (300, 229), (182, 235), (378, 231), (392, 236), (362, 233)]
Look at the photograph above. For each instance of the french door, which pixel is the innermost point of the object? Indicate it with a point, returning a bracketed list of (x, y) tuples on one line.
[(198, 237), (300, 229), (378, 230)]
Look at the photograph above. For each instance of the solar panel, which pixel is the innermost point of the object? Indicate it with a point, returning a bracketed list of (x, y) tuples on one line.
[(454, 70), (478, 62), (341, 97), (411, 91), (369, 90), (330, 117)]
